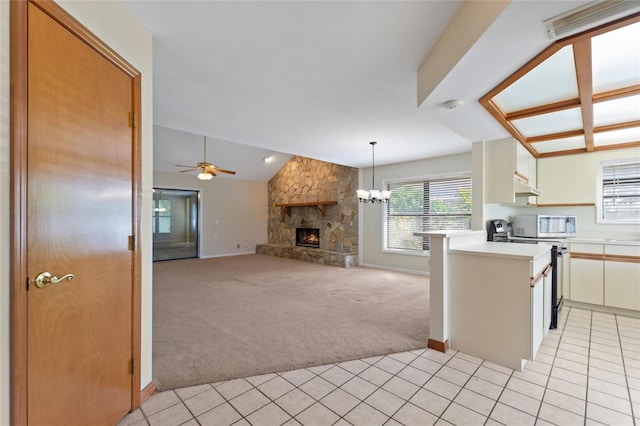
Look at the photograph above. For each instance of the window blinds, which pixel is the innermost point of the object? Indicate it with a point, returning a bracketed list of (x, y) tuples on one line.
[(621, 191), (426, 205)]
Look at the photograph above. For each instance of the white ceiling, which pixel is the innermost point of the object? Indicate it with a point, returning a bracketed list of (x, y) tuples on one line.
[(323, 78)]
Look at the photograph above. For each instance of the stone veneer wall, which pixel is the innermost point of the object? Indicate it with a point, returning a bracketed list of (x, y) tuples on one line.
[(305, 180)]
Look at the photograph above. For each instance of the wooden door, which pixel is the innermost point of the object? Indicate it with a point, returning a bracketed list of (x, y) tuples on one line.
[(79, 218)]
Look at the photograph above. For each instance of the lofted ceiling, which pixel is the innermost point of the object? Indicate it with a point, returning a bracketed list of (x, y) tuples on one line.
[(323, 78)]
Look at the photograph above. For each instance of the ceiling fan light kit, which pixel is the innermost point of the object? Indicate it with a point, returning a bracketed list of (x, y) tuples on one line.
[(207, 170), (373, 195)]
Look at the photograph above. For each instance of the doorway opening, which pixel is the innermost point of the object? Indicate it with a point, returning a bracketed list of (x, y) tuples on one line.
[(175, 224)]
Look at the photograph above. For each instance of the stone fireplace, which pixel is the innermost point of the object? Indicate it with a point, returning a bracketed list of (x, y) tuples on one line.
[(308, 194), (308, 237)]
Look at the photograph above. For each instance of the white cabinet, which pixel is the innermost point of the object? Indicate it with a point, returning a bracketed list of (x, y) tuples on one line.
[(567, 179), (506, 164), (622, 276), (587, 273)]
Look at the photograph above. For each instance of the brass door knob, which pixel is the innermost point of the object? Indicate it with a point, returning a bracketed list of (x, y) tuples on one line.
[(45, 278)]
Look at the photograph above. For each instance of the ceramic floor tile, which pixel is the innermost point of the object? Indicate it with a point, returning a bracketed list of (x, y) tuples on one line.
[(569, 376), (573, 348), (172, 416), (429, 401), (437, 356), (463, 365), (469, 358), (622, 405), (241, 422), (614, 350), (574, 366), (204, 401), (275, 388), (526, 388), (159, 402), (519, 401), (567, 388), (401, 388), (269, 415), (317, 388), (404, 357), (476, 402), (493, 376), (607, 416), (258, 380), (233, 388), (390, 365), (459, 415), (559, 416), (186, 393), (249, 402), (611, 367), (385, 402), (340, 402), (375, 375), (132, 418), (483, 387), (415, 376), (539, 367), (564, 401), (222, 415), (426, 365), (356, 366), (510, 416), (298, 377), (365, 415), (317, 415), (336, 375), (372, 360), (319, 369), (607, 376), (359, 388), (411, 415), (442, 387), (452, 375), (295, 402), (608, 388)]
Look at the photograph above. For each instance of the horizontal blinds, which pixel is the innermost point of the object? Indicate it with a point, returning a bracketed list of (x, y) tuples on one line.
[(621, 191), (426, 206)]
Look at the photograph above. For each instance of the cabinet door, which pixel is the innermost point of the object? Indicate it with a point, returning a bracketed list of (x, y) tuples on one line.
[(587, 281), (622, 284), (537, 317)]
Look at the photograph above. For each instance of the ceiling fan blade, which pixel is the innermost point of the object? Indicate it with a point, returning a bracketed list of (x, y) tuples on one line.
[(182, 165), (224, 171), (188, 170)]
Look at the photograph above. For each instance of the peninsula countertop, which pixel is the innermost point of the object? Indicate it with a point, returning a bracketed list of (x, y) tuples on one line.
[(507, 250)]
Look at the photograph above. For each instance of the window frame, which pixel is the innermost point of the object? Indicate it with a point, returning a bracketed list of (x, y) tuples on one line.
[(421, 253), (600, 193)]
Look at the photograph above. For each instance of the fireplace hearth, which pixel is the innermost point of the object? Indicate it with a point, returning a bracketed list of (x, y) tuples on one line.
[(308, 237)]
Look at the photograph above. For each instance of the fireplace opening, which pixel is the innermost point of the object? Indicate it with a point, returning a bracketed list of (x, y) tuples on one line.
[(308, 237)]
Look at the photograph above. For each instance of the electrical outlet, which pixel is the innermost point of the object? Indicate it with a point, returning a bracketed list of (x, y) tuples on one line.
[(237, 245)]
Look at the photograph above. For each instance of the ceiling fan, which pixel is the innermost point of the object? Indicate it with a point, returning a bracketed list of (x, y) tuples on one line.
[(207, 170)]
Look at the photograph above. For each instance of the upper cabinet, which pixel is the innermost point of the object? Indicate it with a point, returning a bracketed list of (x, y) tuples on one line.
[(510, 173), (567, 180)]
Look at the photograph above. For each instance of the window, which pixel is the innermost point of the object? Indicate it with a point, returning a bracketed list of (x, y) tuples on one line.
[(619, 200), (425, 205)]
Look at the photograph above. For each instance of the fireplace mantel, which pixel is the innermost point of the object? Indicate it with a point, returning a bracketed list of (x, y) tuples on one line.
[(319, 204)]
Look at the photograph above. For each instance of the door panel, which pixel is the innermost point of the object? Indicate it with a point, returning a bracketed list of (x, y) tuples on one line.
[(79, 214)]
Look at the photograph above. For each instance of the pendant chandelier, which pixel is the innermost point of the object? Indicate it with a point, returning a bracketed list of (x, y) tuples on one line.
[(373, 195)]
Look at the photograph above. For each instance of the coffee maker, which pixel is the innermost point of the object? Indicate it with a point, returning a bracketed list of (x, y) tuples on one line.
[(498, 230)]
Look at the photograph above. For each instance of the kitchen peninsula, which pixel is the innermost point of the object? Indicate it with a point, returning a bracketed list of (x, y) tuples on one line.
[(488, 299)]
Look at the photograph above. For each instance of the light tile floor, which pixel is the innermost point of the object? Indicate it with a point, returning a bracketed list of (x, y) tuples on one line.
[(587, 372)]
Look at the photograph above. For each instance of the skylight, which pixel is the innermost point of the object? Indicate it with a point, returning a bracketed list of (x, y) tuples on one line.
[(581, 94)]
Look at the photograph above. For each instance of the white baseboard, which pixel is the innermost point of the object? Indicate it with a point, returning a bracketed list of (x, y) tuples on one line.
[(390, 268), (227, 254)]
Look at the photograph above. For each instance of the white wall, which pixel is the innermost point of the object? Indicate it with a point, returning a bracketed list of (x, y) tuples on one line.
[(115, 26), (238, 206), (372, 215)]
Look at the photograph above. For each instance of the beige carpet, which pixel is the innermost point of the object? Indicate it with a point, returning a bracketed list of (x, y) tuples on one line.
[(221, 318)]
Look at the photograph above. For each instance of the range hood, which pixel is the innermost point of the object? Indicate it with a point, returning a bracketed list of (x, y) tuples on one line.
[(523, 189)]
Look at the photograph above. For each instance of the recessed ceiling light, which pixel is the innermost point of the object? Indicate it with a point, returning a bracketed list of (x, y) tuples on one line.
[(268, 159)]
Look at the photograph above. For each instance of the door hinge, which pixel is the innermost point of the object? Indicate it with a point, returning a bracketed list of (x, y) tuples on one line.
[(132, 242), (133, 366), (132, 120)]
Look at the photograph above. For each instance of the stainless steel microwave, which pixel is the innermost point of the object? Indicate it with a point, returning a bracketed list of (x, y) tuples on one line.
[(544, 226)]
